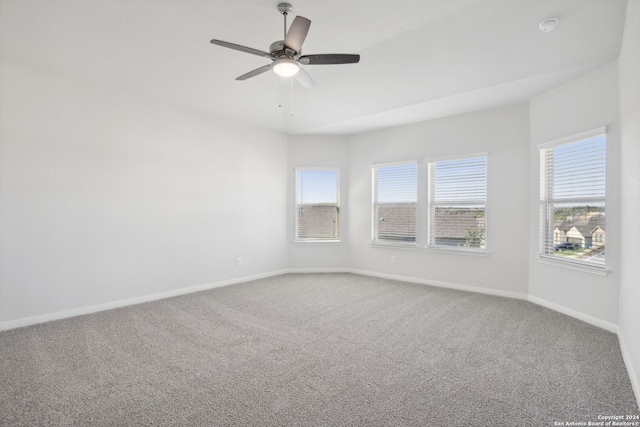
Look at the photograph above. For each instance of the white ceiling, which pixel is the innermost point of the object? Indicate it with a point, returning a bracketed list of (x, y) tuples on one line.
[(420, 59)]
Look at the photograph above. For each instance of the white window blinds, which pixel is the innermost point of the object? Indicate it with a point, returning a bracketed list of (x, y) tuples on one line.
[(572, 200), (457, 203), (395, 193), (317, 204)]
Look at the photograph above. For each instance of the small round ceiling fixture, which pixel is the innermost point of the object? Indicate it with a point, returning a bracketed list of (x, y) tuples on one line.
[(548, 25)]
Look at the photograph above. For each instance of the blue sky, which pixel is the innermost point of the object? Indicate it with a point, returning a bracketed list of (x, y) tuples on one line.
[(317, 187), (398, 184), (460, 180), (457, 181), (579, 169)]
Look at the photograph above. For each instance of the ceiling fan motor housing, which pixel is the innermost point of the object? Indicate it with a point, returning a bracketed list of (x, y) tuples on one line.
[(277, 51)]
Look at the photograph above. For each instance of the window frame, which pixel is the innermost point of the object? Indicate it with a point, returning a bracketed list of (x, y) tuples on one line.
[(457, 249), (297, 239), (374, 202), (544, 204)]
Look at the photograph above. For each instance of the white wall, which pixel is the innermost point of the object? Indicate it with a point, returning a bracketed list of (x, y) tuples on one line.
[(318, 151), (504, 134), (585, 103), (105, 196), (629, 70)]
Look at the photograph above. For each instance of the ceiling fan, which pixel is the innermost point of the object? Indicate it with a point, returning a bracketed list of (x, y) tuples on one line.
[(286, 54)]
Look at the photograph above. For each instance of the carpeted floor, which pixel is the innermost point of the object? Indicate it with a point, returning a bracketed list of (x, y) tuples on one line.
[(314, 350)]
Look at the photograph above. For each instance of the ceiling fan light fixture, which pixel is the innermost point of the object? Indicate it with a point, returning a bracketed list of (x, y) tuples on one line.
[(286, 67), (285, 53)]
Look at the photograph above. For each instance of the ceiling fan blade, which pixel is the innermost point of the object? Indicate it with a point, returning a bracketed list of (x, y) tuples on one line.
[(240, 48), (297, 33), (255, 72), (304, 78), (329, 58)]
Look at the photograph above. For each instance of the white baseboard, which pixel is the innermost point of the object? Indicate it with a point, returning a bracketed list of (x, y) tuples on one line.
[(18, 323), (633, 377), (539, 301), (318, 270), (635, 384), (437, 283), (12, 324), (611, 327), (497, 292)]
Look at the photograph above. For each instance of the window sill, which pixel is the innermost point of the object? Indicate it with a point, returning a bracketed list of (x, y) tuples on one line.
[(468, 252), (405, 246), (600, 271), (317, 242)]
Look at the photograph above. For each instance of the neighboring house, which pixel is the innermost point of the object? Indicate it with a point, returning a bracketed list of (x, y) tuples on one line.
[(452, 226), (319, 221), (397, 222), (587, 230), (458, 227)]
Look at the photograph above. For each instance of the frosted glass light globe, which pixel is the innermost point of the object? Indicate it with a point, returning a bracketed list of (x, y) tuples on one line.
[(286, 67)]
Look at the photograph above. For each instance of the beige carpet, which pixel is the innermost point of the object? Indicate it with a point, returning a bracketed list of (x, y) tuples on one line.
[(314, 350)]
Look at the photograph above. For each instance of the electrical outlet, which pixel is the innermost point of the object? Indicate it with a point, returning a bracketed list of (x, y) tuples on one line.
[(393, 259), (238, 261)]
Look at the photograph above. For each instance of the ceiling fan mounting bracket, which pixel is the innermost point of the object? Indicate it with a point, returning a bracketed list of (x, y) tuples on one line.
[(285, 8)]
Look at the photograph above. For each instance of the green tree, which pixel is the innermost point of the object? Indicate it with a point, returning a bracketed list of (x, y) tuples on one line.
[(474, 239)]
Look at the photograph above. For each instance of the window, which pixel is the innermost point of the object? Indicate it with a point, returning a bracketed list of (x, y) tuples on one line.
[(572, 198), (395, 193), (457, 203), (317, 204)]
